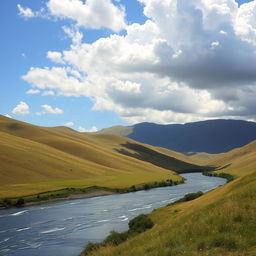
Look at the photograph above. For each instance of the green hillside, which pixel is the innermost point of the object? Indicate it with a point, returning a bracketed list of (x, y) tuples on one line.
[(221, 222), (36, 159)]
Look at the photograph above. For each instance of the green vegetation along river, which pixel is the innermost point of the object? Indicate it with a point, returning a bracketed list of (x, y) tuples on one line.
[(63, 228)]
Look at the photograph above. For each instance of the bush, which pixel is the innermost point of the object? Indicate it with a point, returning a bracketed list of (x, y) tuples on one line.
[(91, 247), (226, 176), (192, 196), (140, 223), (20, 202), (116, 238), (188, 197), (146, 186), (7, 202)]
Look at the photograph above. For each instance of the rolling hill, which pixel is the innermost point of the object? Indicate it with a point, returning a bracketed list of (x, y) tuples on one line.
[(36, 159), (221, 222), (212, 136)]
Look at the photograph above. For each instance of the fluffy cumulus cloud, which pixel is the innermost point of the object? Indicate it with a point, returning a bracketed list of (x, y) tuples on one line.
[(90, 14), (190, 60), (69, 124), (92, 129), (21, 109), (47, 109)]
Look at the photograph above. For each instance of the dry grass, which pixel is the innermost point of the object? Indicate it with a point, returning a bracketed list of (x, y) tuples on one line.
[(36, 159), (221, 222)]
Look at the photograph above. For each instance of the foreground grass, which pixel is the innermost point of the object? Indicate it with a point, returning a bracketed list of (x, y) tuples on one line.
[(221, 222)]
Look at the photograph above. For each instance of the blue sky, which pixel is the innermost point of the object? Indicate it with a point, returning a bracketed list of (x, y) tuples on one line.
[(134, 81)]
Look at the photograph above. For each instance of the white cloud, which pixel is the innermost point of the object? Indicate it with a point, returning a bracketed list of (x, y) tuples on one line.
[(222, 32), (69, 124), (61, 79), (25, 12), (33, 91), (245, 23), (21, 109), (48, 93), (55, 57), (92, 129), (74, 34), (91, 14), (81, 129), (47, 109), (190, 60), (215, 44), (8, 116)]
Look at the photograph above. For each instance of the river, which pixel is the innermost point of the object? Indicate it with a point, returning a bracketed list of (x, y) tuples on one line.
[(63, 228)]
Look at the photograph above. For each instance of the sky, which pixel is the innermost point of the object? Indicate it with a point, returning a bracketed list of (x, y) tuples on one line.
[(97, 63)]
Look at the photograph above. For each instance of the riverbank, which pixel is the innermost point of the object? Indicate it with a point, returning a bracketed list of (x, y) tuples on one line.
[(221, 222), (63, 228), (79, 193), (73, 197)]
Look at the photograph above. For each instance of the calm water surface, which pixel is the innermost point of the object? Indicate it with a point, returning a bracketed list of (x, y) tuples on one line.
[(63, 228)]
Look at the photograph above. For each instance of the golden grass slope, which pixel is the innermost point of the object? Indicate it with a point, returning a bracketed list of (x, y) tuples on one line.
[(238, 162), (117, 130), (221, 222), (36, 159)]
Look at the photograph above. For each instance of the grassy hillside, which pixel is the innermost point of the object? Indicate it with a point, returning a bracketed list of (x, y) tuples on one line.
[(221, 222), (36, 159), (239, 161), (117, 130)]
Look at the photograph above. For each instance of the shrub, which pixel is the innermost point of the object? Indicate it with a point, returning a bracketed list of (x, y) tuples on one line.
[(7, 202), (192, 196), (20, 202), (137, 225), (140, 223), (133, 188), (116, 238), (91, 247), (146, 186)]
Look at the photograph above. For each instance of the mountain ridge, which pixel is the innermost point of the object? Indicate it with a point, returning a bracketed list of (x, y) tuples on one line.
[(211, 136)]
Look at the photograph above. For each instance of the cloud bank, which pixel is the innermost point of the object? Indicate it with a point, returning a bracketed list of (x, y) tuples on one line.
[(191, 60)]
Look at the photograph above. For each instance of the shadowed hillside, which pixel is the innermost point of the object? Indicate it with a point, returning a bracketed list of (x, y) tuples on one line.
[(163, 160)]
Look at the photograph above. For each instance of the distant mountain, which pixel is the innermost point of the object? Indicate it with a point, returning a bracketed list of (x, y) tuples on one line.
[(212, 136)]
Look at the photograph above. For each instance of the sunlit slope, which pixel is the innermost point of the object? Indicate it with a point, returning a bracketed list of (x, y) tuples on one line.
[(202, 157), (117, 130), (35, 159), (239, 161), (221, 222)]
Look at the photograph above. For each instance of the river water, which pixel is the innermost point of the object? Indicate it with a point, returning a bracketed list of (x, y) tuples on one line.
[(63, 228)]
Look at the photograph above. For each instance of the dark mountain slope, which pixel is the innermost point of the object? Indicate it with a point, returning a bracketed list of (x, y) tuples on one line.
[(212, 136)]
